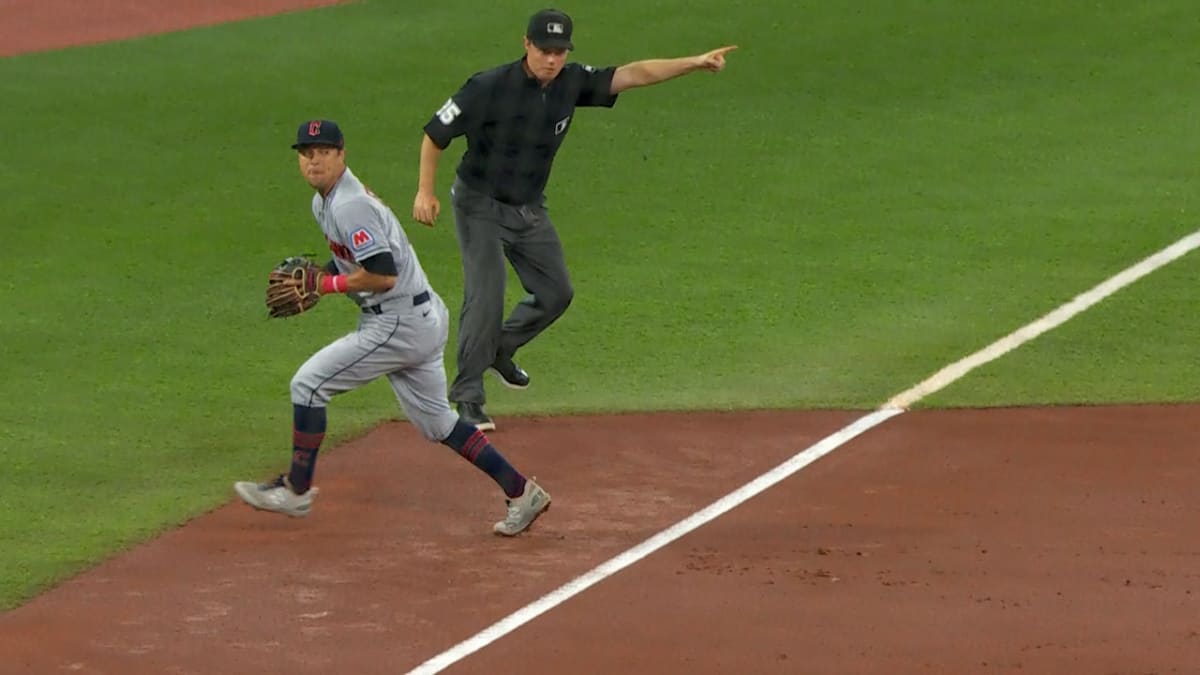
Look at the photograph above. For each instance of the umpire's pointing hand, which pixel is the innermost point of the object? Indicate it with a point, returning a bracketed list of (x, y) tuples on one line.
[(714, 60), (426, 208)]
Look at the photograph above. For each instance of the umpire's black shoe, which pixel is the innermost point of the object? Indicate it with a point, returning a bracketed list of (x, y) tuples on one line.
[(510, 373), (472, 413)]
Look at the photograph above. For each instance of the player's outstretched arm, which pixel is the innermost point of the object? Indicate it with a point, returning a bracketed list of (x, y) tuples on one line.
[(653, 71), (426, 206)]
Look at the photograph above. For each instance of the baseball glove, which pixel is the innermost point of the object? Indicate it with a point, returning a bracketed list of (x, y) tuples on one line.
[(292, 287)]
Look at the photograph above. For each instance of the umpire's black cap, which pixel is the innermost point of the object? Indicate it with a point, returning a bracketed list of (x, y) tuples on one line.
[(550, 29), (319, 132)]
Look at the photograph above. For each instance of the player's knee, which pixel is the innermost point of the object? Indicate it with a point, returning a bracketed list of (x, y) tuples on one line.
[(300, 391), (307, 392), (436, 429)]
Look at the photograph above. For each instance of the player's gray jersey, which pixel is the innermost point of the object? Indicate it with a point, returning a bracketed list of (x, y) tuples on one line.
[(358, 225)]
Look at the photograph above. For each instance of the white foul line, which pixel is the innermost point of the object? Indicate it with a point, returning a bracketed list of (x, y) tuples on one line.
[(620, 562), (897, 405)]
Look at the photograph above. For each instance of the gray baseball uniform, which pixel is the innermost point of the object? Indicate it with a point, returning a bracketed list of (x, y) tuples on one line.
[(401, 333)]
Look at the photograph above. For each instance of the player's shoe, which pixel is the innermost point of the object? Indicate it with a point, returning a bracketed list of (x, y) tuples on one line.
[(523, 510), (276, 495), (472, 413), (512, 375)]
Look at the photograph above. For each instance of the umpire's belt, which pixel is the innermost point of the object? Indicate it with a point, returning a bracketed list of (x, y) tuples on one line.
[(418, 299)]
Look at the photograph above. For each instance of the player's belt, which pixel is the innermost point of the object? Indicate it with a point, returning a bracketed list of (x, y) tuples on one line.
[(418, 299)]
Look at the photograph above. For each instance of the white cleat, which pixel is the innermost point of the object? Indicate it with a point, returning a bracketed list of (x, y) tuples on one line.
[(523, 510), (275, 496)]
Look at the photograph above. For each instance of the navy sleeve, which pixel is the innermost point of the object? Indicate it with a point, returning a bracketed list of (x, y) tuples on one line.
[(380, 263), (596, 86), (458, 113)]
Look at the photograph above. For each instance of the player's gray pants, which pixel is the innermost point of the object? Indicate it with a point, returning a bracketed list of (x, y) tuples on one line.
[(405, 344), (488, 232)]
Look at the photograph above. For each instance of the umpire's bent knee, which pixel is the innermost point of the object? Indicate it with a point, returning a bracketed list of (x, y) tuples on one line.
[(558, 303)]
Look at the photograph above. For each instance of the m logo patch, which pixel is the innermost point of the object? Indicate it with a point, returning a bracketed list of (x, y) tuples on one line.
[(554, 28), (361, 239), (562, 125)]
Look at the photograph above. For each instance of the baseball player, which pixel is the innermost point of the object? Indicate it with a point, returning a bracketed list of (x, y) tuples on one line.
[(515, 117), (401, 335)]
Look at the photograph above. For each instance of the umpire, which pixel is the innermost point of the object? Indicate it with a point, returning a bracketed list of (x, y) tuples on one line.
[(515, 117)]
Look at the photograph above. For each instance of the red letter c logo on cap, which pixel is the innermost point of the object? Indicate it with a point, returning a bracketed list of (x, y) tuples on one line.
[(314, 128)]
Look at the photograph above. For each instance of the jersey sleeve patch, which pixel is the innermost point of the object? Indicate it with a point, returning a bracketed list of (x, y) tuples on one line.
[(361, 239)]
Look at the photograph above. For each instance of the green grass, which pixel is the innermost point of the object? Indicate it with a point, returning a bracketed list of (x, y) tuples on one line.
[(867, 193), (1097, 357)]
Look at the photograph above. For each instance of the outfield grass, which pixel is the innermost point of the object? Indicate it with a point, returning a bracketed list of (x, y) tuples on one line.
[(864, 195)]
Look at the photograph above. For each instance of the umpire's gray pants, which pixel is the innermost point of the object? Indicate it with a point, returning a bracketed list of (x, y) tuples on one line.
[(488, 232)]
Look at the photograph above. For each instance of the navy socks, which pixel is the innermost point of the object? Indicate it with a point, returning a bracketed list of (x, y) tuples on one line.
[(308, 430), (474, 447)]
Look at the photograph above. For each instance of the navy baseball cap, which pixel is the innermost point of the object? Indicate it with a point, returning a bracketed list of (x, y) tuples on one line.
[(550, 29), (319, 132)]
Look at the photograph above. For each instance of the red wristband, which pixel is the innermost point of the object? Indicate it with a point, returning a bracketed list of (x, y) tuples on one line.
[(333, 283)]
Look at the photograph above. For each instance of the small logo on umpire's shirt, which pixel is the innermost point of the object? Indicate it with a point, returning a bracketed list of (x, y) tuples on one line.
[(562, 125)]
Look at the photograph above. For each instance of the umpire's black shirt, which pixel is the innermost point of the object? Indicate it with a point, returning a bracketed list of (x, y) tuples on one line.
[(514, 125)]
